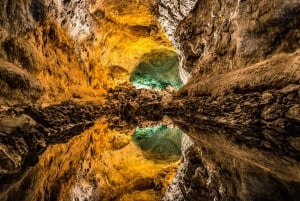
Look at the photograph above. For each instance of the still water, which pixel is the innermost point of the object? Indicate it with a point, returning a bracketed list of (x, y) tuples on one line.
[(146, 163), (104, 163)]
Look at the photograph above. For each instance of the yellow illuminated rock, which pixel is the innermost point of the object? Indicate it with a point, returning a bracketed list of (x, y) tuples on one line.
[(92, 166), (73, 48)]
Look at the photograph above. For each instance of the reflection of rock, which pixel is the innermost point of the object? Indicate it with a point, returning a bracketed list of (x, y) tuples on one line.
[(222, 166), (101, 163), (179, 189), (159, 143), (245, 130), (26, 131)]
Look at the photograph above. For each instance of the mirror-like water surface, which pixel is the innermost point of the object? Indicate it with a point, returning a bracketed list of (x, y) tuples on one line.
[(104, 164)]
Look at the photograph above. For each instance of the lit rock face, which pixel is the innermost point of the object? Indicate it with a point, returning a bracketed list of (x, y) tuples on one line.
[(73, 47), (237, 44), (170, 14), (245, 142)]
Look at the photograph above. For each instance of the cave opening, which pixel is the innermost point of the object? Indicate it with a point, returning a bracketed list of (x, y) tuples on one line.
[(159, 142), (157, 70)]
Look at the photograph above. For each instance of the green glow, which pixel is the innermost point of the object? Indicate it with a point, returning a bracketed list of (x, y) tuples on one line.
[(160, 142), (158, 72)]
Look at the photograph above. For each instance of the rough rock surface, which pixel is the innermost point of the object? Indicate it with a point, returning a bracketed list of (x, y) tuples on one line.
[(240, 107), (243, 141), (258, 132), (74, 48), (41, 159), (238, 44), (170, 14), (241, 100)]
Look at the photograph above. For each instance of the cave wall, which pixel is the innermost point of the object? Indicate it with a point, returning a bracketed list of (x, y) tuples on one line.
[(237, 44), (56, 50), (236, 47), (170, 15)]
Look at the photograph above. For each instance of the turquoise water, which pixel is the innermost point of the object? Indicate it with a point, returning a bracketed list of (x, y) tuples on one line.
[(159, 142)]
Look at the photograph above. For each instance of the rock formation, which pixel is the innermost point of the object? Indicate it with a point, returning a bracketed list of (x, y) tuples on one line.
[(66, 64), (240, 44), (235, 49), (75, 48)]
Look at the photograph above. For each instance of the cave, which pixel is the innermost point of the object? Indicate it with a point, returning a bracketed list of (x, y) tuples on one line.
[(157, 70), (159, 142), (149, 100)]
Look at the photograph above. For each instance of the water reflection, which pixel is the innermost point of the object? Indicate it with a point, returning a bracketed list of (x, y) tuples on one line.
[(102, 163), (122, 162), (235, 164), (159, 142)]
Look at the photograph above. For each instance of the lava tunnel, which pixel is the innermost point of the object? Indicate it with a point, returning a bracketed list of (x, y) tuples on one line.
[(157, 69)]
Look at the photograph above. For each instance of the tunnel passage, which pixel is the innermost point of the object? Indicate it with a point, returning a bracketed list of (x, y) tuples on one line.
[(157, 69), (159, 142)]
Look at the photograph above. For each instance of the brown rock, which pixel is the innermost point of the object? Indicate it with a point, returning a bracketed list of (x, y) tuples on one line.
[(290, 88), (266, 98), (271, 112), (294, 113)]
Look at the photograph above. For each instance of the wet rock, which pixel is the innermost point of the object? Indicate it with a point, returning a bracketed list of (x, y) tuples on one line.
[(15, 80), (294, 142), (10, 159), (280, 125)]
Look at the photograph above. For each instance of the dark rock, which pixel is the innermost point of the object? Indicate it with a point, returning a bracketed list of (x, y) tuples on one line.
[(38, 10)]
